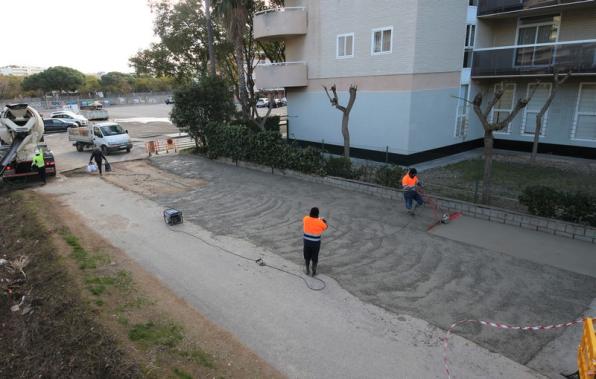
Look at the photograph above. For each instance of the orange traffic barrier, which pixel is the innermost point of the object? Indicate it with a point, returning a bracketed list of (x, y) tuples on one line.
[(152, 147), (170, 145), (586, 353)]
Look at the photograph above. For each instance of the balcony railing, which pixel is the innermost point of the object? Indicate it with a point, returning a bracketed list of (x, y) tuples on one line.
[(577, 57), (281, 75), (280, 22), (494, 7)]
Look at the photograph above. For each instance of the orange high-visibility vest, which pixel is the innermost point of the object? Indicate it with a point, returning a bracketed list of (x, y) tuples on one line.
[(313, 228), (409, 183)]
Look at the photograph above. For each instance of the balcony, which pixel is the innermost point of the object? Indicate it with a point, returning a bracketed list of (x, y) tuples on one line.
[(280, 23), (512, 7), (281, 75), (578, 57)]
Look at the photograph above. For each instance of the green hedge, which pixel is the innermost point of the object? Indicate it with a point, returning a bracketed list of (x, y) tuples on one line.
[(240, 142), (575, 207)]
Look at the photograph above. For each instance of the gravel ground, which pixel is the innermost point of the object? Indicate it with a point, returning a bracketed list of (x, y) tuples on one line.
[(385, 257)]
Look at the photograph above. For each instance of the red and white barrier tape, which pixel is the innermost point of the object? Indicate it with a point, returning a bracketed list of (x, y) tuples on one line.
[(498, 326)]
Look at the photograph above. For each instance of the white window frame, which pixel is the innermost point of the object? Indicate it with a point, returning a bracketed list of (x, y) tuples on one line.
[(577, 113), (372, 40), (536, 25), (526, 111), (337, 56), (470, 35), (463, 115), (492, 112)]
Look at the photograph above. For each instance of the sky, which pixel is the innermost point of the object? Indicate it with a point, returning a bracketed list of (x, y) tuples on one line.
[(88, 35)]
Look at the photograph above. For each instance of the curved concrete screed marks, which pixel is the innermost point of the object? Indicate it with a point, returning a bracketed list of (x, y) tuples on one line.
[(385, 257), (304, 334)]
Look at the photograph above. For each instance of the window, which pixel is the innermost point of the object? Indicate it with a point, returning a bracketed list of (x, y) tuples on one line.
[(469, 46), (97, 132), (461, 125), (345, 45), (381, 40), (473, 3), (470, 35), (584, 126), (535, 30), (536, 103), (504, 106)]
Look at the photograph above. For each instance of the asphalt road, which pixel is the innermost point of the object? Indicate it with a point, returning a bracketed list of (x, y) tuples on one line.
[(143, 122)]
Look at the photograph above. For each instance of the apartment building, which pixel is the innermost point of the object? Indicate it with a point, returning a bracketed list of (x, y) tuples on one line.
[(413, 61), (14, 70)]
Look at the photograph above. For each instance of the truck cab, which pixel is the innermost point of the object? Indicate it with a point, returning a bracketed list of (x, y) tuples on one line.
[(109, 136)]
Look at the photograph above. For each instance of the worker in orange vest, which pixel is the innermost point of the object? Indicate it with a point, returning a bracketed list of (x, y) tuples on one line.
[(313, 228), (410, 182)]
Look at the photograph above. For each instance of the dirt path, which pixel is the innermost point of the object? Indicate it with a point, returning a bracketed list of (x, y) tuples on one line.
[(327, 334)]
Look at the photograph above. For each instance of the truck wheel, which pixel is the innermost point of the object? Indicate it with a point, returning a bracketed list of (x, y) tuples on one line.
[(80, 147), (105, 150), (128, 149)]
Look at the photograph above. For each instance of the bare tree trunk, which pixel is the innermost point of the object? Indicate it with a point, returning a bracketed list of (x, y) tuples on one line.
[(536, 136), (555, 87), (212, 59), (346, 134), (345, 131), (488, 166)]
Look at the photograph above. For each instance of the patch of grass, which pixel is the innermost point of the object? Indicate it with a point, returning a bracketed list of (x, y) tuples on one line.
[(152, 334), (83, 257), (97, 285), (99, 302), (122, 320), (181, 374), (199, 356), (123, 280)]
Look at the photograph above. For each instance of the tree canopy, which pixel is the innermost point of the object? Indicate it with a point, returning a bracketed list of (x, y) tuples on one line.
[(57, 78)]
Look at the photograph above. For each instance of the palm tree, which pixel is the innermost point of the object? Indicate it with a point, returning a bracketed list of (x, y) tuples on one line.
[(234, 14), (212, 62)]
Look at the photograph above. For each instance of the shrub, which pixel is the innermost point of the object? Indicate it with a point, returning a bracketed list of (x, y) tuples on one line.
[(389, 176), (341, 167), (547, 202), (206, 101)]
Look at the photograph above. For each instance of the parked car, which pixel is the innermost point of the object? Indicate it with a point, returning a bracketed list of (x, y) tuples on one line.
[(70, 116), (284, 102), (170, 100), (263, 103), (57, 125)]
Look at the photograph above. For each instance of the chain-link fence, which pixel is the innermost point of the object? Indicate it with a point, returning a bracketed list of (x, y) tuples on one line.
[(61, 102)]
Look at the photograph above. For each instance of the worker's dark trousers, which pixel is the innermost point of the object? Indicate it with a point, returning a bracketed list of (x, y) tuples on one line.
[(98, 164), (311, 252), (42, 173)]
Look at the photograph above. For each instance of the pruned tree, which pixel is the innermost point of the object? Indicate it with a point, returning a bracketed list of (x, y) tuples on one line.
[(491, 126), (210, 47), (558, 80), (345, 131)]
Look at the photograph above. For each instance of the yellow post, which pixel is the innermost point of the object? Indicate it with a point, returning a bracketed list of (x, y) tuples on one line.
[(586, 353)]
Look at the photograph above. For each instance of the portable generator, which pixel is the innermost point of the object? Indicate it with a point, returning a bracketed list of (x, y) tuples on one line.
[(172, 216)]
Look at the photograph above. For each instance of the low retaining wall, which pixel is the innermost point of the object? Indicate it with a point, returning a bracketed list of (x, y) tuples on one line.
[(499, 215)]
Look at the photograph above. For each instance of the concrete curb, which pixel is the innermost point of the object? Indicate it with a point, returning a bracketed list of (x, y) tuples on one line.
[(493, 214)]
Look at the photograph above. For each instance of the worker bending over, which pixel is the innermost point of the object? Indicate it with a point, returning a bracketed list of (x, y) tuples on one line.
[(410, 184), (39, 163), (313, 228)]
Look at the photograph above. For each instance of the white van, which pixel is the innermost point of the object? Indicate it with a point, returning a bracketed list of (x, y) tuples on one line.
[(108, 136)]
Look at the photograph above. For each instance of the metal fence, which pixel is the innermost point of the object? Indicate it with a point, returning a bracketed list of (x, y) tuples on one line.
[(62, 102)]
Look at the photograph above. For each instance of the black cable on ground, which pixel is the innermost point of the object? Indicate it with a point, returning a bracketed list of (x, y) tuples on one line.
[(258, 261)]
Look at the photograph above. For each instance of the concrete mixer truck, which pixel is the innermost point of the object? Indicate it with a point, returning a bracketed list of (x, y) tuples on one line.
[(21, 135)]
